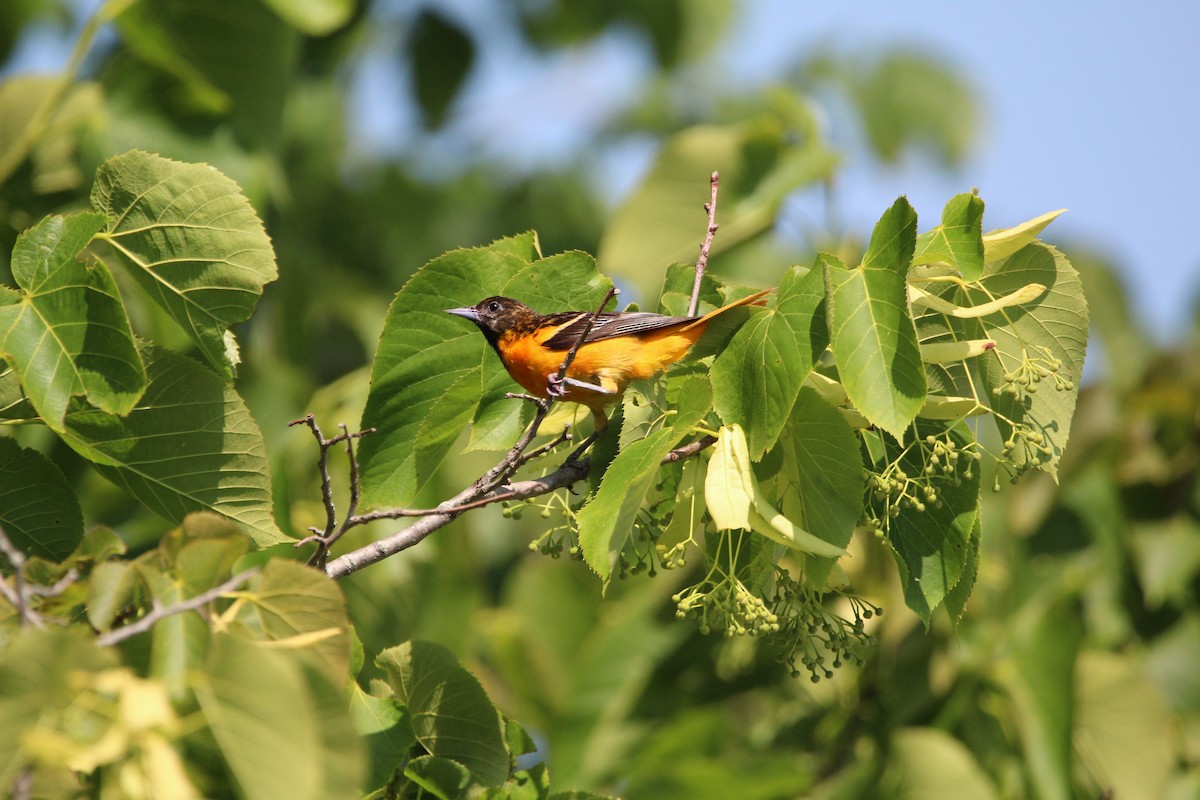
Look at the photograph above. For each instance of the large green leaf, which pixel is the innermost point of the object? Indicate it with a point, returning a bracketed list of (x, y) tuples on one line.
[(871, 332), (190, 445), (606, 522), (38, 509), (191, 240), (1044, 643), (451, 714), (259, 710), (958, 241), (228, 58), (757, 375), (66, 333), (434, 373), (1122, 727), (931, 764), (1054, 327), (826, 465), (663, 222), (293, 600)]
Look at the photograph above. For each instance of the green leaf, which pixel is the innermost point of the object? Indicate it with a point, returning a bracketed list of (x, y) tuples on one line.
[(313, 17), (451, 714), (1043, 643), (663, 222), (384, 726), (343, 753), (958, 241), (823, 457), (66, 333), (1052, 327), (38, 508), (871, 333), (228, 57), (292, 600), (932, 765), (908, 100), (956, 598), (191, 445), (191, 240), (1122, 727), (110, 588), (757, 376), (260, 712), (433, 373), (606, 522), (441, 55)]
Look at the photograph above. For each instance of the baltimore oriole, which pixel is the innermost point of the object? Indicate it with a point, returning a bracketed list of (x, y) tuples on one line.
[(622, 346)]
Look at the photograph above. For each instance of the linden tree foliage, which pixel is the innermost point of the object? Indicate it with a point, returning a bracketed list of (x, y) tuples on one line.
[(872, 397)]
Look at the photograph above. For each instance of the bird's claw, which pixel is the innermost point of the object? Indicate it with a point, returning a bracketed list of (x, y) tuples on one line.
[(556, 386)]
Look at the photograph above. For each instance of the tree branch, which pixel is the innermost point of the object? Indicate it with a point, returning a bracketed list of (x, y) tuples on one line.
[(162, 612), (702, 262)]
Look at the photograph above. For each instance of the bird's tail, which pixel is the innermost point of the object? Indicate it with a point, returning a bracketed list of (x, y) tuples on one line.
[(755, 299)]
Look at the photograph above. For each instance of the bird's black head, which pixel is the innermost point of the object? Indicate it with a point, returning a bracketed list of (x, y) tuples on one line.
[(497, 315)]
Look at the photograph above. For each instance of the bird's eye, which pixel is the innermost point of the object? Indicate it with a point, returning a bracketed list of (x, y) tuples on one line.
[(493, 306)]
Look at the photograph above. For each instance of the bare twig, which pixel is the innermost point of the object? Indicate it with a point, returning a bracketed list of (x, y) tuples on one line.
[(569, 473), (162, 612), (702, 262), (689, 450)]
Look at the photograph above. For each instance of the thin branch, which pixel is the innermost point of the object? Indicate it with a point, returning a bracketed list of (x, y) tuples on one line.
[(689, 450), (569, 473), (702, 262), (162, 612)]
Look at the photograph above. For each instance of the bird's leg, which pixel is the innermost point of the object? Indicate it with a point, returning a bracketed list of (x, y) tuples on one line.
[(556, 386)]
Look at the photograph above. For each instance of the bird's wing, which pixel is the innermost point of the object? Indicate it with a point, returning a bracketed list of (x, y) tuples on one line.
[(608, 325)]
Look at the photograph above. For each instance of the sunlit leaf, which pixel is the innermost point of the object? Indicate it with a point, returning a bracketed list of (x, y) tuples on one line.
[(292, 599), (870, 330), (759, 372), (314, 17), (451, 714), (958, 241), (191, 240), (66, 333)]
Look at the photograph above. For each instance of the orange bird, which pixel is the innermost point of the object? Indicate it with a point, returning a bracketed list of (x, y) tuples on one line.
[(622, 346)]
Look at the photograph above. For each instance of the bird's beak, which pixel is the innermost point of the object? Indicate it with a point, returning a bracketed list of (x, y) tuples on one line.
[(466, 313)]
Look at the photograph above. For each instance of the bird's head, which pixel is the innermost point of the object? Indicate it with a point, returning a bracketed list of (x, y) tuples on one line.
[(497, 315)]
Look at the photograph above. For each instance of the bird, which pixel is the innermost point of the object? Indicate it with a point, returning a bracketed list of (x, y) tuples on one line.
[(621, 346)]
